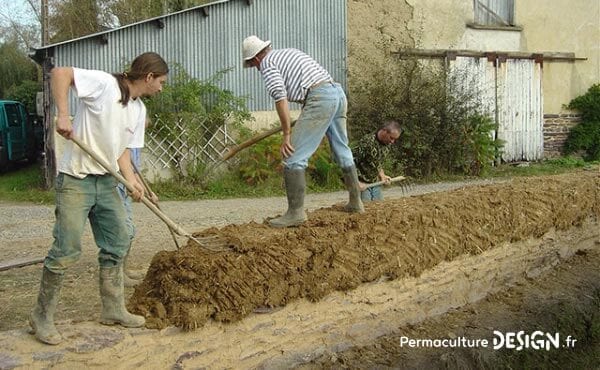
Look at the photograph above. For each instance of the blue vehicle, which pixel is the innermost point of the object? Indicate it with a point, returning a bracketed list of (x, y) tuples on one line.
[(21, 134)]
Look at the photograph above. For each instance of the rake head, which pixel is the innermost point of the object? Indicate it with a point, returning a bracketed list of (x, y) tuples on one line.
[(212, 243), (406, 185)]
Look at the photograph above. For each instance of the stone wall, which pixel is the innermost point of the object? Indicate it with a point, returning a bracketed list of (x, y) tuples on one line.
[(556, 130)]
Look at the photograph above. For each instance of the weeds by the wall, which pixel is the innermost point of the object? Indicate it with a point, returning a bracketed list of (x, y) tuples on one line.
[(585, 136), (263, 161), (446, 130)]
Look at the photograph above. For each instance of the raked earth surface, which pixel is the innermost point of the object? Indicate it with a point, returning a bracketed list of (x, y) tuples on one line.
[(461, 262)]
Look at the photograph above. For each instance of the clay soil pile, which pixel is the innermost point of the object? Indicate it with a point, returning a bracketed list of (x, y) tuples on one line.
[(338, 251)]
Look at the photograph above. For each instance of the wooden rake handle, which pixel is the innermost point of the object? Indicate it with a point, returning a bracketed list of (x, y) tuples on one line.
[(121, 179), (253, 140), (147, 186), (378, 183)]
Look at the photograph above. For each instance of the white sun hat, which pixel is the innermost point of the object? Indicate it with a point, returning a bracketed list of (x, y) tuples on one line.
[(251, 46)]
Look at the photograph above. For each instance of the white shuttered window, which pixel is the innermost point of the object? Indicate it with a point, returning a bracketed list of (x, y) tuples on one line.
[(494, 12)]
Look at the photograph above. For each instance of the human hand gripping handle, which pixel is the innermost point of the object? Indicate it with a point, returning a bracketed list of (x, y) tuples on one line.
[(286, 148), (283, 111), (64, 126)]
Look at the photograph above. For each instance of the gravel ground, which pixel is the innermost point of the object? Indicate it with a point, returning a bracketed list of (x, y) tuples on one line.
[(21, 222)]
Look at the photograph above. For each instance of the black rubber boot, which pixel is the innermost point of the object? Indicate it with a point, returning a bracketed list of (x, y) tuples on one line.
[(41, 318), (295, 185), (113, 301), (355, 204)]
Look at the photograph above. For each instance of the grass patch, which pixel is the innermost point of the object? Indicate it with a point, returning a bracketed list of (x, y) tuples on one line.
[(547, 167), (507, 170), (25, 184)]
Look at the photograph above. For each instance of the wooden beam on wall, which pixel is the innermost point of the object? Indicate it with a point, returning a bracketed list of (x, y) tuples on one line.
[(450, 53)]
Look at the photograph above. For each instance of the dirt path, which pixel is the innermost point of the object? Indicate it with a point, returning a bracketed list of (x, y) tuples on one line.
[(456, 248), (26, 232)]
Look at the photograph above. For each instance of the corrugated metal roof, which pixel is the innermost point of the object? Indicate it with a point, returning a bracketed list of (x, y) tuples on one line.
[(207, 39)]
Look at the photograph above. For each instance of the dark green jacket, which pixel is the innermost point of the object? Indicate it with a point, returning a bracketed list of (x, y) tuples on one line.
[(369, 156)]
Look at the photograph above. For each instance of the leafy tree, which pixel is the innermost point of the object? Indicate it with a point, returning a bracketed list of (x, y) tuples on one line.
[(25, 93), (15, 67), (131, 11), (70, 19), (18, 27)]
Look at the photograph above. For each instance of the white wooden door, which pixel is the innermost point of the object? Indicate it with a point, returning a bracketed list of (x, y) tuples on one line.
[(510, 93)]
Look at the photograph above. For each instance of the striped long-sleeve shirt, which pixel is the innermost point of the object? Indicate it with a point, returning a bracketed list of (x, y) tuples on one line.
[(288, 73)]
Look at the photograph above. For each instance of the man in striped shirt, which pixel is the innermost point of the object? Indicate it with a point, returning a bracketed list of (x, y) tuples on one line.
[(291, 75)]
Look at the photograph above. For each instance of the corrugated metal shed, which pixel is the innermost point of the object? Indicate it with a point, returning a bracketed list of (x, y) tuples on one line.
[(207, 39)]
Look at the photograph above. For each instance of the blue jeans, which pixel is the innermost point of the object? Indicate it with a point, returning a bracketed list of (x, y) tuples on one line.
[(77, 200), (324, 113), (371, 194)]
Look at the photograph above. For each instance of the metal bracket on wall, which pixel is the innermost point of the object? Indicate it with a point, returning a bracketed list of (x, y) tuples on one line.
[(102, 39)]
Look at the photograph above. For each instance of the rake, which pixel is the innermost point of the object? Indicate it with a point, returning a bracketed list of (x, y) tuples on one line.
[(210, 243), (404, 186), (234, 150), (147, 188)]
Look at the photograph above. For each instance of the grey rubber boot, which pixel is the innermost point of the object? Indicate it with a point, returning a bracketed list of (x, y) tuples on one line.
[(295, 185), (129, 282), (355, 203), (113, 301), (41, 318), (131, 278)]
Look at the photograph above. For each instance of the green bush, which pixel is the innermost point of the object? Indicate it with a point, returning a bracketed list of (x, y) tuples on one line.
[(585, 136), (25, 93), (262, 162), (198, 108), (444, 127)]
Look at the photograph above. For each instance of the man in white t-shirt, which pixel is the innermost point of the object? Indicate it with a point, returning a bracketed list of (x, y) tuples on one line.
[(109, 118)]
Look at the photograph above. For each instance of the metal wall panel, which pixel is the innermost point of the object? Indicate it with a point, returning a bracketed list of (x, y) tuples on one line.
[(204, 45)]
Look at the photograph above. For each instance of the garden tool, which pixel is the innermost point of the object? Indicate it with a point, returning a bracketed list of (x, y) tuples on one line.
[(213, 244), (232, 151), (147, 186), (379, 183)]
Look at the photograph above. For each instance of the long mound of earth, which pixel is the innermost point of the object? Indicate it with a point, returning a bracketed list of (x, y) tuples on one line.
[(334, 250)]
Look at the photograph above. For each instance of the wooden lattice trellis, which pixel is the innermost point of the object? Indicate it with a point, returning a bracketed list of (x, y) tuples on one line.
[(189, 142)]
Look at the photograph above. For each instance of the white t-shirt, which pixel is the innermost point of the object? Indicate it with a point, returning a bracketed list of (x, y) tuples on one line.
[(101, 122)]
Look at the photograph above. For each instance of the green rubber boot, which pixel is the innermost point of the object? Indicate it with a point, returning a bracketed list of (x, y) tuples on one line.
[(355, 203), (295, 185), (113, 301), (41, 318)]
